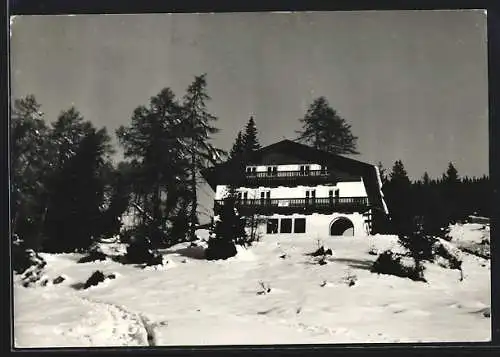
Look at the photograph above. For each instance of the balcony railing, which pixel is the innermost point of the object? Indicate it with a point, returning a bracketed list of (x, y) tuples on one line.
[(287, 174), (300, 204)]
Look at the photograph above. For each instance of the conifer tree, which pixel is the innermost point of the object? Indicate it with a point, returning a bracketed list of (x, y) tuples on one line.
[(29, 165), (451, 175), (399, 199), (324, 129), (250, 140), (77, 194), (200, 128), (425, 179), (154, 142), (238, 148)]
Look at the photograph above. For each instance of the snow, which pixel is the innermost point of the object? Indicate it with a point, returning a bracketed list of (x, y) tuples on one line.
[(199, 302)]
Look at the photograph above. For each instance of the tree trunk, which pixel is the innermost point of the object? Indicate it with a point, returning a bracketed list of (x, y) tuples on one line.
[(194, 203)]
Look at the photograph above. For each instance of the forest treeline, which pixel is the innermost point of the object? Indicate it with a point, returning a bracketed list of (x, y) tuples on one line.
[(67, 192)]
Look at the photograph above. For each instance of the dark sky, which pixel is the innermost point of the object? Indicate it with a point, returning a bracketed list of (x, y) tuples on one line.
[(413, 85)]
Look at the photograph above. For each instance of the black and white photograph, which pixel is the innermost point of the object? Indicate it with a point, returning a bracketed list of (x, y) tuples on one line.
[(250, 178)]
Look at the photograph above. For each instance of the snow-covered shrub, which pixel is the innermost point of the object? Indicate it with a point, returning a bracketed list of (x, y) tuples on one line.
[(418, 243), (447, 256), (22, 257), (94, 254), (252, 222), (228, 231), (58, 280), (219, 248), (321, 254), (350, 279), (321, 251), (34, 274), (264, 288), (96, 278), (139, 251), (398, 265)]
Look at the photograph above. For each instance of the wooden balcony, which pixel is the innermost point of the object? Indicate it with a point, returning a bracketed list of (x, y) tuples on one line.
[(299, 205), (309, 177)]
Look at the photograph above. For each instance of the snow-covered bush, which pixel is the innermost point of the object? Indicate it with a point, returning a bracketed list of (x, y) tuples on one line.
[(59, 279), (264, 288), (94, 254), (350, 279), (373, 251), (398, 265), (96, 278), (321, 251), (418, 244), (139, 251), (447, 256), (34, 274), (228, 231), (321, 254)]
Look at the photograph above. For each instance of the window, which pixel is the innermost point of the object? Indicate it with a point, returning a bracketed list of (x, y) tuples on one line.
[(275, 170), (272, 226), (269, 168), (254, 170), (299, 225), (249, 169), (286, 225), (308, 169), (245, 196)]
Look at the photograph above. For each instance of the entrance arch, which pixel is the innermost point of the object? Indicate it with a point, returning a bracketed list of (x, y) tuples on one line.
[(341, 226)]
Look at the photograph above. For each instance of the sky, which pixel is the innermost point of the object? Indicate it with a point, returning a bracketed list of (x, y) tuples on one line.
[(412, 84)]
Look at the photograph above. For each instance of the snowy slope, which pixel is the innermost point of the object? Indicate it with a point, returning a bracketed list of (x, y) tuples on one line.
[(194, 301)]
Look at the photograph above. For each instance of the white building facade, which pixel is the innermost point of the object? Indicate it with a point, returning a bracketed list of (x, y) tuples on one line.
[(297, 190)]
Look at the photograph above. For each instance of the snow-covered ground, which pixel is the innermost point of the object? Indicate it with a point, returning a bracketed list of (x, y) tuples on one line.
[(194, 302)]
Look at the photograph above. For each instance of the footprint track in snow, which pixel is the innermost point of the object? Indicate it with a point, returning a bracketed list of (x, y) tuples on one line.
[(130, 328)]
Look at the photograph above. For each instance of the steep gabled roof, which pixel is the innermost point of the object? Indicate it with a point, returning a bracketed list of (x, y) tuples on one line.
[(224, 172)]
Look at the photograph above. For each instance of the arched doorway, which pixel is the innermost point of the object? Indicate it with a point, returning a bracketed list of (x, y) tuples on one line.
[(341, 226)]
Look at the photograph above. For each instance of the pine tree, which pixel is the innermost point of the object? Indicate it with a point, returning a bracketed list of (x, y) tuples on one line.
[(29, 164), (425, 179), (450, 189), (399, 175), (399, 199), (67, 133), (324, 129), (77, 194), (451, 175), (200, 129), (250, 140), (155, 144), (238, 148)]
